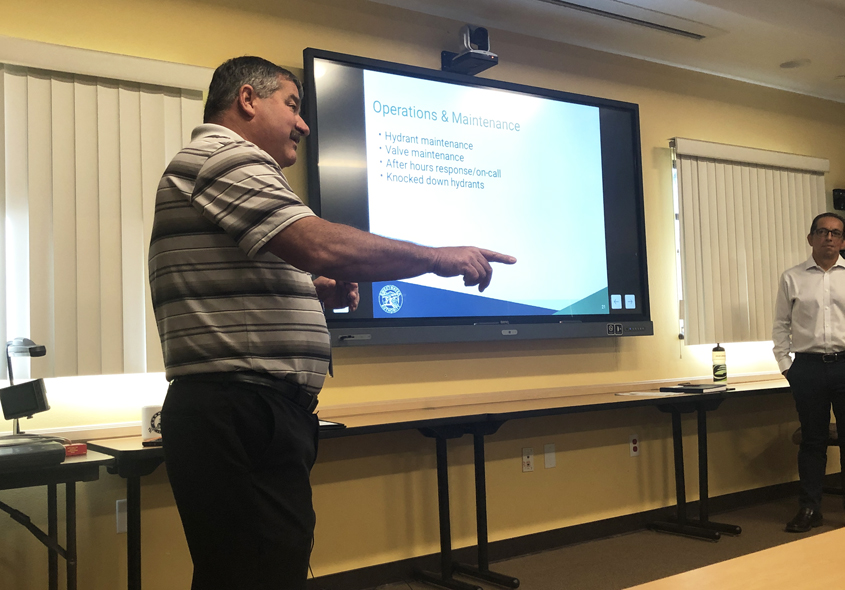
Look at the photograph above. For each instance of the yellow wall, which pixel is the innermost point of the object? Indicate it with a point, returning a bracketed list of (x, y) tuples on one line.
[(375, 495)]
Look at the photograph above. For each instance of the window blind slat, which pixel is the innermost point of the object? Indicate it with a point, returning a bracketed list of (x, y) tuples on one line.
[(790, 182), (724, 329), (736, 326), (690, 279), (777, 215), (739, 250), (191, 116), (17, 208), (111, 284), (64, 230), (3, 194), (173, 132), (153, 161), (816, 187), (806, 206), (749, 231), (697, 262), (40, 202), (132, 230), (709, 248), (770, 240), (813, 202), (756, 194), (88, 293), (787, 214)]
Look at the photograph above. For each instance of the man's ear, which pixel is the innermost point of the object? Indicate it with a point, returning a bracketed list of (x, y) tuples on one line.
[(810, 239), (246, 101)]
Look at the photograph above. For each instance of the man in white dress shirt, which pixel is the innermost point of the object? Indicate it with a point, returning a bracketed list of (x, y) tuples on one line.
[(810, 322)]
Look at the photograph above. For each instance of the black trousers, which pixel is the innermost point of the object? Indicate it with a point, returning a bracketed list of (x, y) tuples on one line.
[(239, 457), (816, 386)]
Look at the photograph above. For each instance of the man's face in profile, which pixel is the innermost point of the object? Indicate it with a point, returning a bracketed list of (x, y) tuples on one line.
[(279, 124)]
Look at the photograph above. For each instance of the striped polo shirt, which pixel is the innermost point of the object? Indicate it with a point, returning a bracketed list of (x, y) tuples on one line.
[(220, 303)]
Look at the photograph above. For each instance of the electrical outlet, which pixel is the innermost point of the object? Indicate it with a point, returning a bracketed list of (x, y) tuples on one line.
[(120, 515), (549, 456), (634, 442), (527, 459)]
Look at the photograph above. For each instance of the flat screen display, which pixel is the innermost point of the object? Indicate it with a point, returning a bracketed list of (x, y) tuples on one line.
[(441, 159)]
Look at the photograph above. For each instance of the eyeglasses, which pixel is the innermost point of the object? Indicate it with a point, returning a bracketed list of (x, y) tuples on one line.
[(823, 231)]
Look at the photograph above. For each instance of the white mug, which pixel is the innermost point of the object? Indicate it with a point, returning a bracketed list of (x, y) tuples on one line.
[(150, 422)]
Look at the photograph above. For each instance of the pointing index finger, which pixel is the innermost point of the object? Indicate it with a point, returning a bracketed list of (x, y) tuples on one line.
[(497, 257)]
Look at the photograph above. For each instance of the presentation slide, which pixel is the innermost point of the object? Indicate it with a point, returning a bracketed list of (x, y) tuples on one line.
[(452, 165)]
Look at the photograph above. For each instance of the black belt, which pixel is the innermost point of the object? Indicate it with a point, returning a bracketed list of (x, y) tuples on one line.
[(823, 357), (291, 391)]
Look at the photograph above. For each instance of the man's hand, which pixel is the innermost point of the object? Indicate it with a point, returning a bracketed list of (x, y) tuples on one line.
[(337, 294), (469, 262)]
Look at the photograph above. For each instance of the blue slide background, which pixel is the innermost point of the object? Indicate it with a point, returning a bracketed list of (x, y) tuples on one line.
[(419, 301)]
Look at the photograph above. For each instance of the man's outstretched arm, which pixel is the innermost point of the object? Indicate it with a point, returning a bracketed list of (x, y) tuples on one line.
[(346, 254)]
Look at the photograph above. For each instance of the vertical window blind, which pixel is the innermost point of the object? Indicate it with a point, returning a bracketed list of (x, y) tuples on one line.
[(81, 160), (743, 215)]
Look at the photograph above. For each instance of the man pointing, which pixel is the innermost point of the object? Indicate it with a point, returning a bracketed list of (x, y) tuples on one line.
[(245, 343)]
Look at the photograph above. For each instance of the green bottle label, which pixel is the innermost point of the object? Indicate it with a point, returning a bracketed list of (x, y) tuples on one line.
[(720, 366)]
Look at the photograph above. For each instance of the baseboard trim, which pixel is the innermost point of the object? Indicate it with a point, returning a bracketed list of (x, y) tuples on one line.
[(396, 571)]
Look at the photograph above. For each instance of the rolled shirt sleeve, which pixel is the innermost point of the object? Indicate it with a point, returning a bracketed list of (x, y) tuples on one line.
[(244, 192)]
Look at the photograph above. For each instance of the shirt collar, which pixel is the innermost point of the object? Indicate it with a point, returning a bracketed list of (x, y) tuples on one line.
[(208, 129), (811, 263)]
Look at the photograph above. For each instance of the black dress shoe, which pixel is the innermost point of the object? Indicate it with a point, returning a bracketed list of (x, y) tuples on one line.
[(806, 519)]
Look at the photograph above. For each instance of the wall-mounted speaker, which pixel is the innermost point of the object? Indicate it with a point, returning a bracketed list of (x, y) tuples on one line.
[(839, 198)]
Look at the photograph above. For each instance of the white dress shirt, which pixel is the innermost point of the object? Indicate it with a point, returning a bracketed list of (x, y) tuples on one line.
[(809, 311)]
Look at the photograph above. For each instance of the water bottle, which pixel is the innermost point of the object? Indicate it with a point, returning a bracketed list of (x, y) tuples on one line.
[(720, 367)]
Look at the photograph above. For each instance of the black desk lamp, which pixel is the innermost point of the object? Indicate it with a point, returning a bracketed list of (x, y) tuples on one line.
[(28, 398)]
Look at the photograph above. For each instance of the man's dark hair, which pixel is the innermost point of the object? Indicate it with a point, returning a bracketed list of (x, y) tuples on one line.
[(821, 215), (265, 78)]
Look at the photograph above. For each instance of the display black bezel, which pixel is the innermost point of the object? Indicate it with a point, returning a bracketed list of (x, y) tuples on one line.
[(363, 331)]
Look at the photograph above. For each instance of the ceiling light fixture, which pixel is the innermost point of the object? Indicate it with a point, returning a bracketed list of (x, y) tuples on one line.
[(626, 19)]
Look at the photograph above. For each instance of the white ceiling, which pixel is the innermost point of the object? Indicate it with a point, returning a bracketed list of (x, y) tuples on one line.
[(742, 39)]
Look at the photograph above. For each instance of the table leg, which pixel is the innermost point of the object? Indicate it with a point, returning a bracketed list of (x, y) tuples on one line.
[(133, 532), (703, 473), (445, 578), (482, 572), (681, 526), (53, 534), (703, 491), (70, 549)]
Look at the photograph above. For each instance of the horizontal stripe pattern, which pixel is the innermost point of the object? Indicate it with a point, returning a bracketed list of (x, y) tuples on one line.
[(220, 303)]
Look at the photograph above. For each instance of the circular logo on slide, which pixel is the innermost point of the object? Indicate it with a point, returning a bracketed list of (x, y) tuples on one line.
[(390, 299)]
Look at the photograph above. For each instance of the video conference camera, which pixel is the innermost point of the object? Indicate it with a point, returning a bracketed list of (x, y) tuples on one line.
[(25, 399), (475, 55)]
